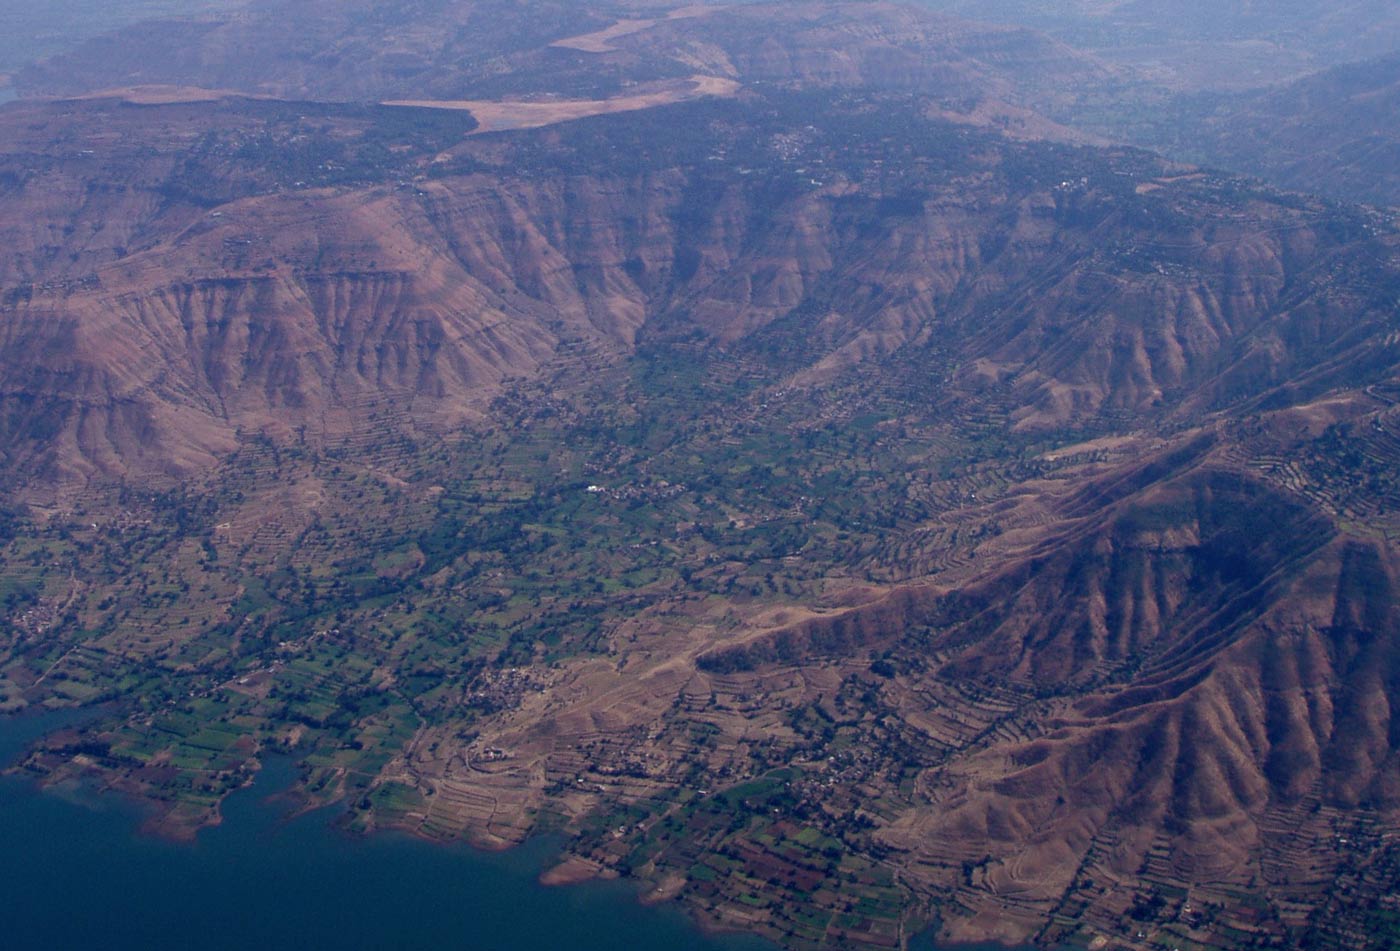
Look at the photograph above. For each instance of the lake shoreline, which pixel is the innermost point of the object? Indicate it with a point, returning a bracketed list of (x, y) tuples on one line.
[(274, 872), (269, 807)]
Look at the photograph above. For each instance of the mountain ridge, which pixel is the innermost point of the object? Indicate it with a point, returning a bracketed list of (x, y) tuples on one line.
[(846, 503)]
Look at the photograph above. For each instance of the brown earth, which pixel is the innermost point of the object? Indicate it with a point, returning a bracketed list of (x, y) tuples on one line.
[(602, 41), (504, 115), (1141, 641)]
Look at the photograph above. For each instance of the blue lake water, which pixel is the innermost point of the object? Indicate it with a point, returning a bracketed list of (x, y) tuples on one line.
[(75, 872)]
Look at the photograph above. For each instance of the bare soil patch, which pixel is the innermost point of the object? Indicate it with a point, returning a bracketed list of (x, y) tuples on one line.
[(507, 115), (168, 95), (601, 41)]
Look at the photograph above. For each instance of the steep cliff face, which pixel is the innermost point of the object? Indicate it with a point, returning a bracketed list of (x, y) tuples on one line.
[(1185, 680), (833, 486), (1130, 290), (226, 328), (1258, 707)]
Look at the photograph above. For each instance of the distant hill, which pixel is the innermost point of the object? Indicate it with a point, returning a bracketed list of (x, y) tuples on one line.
[(1198, 45), (29, 31), (1333, 133), (767, 448), (439, 50)]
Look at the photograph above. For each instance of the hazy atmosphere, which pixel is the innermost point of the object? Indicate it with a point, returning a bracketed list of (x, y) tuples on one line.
[(29, 31), (806, 474)]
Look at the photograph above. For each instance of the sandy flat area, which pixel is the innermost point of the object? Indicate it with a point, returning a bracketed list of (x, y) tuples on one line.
[(496, 115), (601, 41), (169, 95)]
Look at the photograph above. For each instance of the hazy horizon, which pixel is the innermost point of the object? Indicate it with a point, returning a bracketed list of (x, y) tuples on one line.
[(30, 32)]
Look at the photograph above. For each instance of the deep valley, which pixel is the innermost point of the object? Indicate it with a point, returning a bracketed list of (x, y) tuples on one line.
[(844, 492)]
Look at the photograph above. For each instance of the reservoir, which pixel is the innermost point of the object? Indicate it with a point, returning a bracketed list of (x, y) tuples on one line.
[(78, 874)]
